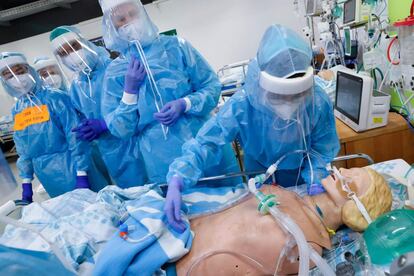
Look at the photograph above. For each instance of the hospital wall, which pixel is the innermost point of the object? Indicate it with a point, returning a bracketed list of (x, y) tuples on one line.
[(224, 31)]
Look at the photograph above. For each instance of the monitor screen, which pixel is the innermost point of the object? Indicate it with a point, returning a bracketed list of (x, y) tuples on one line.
[(310, 7), (348, 41), (349, 11), (349, 95)]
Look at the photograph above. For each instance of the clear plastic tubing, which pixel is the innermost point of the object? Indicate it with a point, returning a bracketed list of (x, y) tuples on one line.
[(305, 251)]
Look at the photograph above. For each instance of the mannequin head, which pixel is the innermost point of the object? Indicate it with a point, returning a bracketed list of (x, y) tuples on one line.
[(369, 186)]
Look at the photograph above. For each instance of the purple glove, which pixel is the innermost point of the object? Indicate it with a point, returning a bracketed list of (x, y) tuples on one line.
[(172, 207), (82, 182), (171, 112), (27, 193), (316, 189), (90, 129), (135, 76)]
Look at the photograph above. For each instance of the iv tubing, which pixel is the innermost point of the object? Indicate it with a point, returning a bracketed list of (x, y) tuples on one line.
[(153, 84)]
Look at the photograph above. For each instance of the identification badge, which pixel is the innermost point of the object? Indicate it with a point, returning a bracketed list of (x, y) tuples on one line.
[(31, 116)]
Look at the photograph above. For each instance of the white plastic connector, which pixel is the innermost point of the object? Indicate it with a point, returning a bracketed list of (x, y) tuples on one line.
[(252, 185), (271, 170)]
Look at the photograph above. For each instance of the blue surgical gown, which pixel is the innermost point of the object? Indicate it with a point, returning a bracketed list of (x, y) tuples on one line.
[(262, 143), (121, 156), (179, 71), (50, 149)]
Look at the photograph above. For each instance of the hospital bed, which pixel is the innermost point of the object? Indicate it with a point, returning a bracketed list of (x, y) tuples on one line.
[(232, 77), (6, 136), (12, 207), (395, 171)]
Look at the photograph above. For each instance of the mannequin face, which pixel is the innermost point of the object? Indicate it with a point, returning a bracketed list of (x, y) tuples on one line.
[(359, 182)]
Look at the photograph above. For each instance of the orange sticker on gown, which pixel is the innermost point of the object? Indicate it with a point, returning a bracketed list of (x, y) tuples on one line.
[(31, 116)]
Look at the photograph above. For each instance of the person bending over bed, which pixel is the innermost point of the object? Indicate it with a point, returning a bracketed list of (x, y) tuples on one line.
[(279, 111), (240, 241)]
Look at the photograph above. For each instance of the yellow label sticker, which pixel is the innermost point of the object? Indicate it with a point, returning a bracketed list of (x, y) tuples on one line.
[(31, 116), (378, 120)]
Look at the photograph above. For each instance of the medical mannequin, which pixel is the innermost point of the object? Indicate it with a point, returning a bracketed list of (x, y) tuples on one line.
[(240, 241)]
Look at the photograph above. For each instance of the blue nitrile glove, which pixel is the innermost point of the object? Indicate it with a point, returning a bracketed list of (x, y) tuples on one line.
[(135, 76), (27, 193), (82, 182), (172, 207), (171, 112), (315, 189), (90, 129)]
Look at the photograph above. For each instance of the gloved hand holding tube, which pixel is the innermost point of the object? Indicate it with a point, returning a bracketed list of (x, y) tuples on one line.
[(171, 112), (135, 76)]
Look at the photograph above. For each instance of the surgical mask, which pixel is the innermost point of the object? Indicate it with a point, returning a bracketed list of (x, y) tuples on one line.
[(77, 61), (136, 30), (285, 109), (22, 83), (54, 81)]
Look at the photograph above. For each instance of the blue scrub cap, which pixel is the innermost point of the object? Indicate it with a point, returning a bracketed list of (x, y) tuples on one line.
[(283, 53)]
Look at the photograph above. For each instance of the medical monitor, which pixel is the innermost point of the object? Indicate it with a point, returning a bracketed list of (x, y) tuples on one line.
[(349, 95), (356, 102), (313, 7), (352, 12), (348, 41)]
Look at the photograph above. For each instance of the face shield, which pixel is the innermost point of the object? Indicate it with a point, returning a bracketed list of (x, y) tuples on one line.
[(127, 20), (286, 95), (50, 73), (73, 51), (16, 75), (285, 76), (51, 77)]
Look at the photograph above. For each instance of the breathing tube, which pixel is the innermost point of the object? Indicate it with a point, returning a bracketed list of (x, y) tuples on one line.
[(268, 205)]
